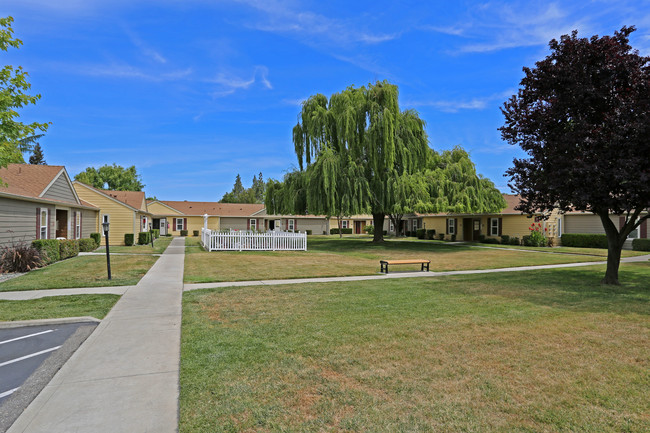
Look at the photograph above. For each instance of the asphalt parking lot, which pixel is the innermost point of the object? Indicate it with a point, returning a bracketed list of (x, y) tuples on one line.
[(29, 358)]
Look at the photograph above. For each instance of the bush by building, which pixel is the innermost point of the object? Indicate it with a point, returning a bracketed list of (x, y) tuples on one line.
[(129, 239), (641, 244), (48, 250), (144, 238), (584, 240)]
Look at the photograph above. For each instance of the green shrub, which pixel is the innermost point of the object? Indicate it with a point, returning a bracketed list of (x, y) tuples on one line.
[(48, 250), (144, 238), (505, 239), (421, 233), (156, 233), (369, 229), (453, 237), (584, 240), (515, 241), (335, 231), (490, 241), (86, 245), (481, 238), (195, 232), (441, 236), (68, 248), (129, 239), (97, 238), (308, 232), (19, 258), (183, 232), (431, 234), (641, 244)]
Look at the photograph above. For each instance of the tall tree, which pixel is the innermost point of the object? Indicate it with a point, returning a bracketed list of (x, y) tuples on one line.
[(14, 135), (583, 117), (374, 157), (112, 177), (37, 157), (239, 194)]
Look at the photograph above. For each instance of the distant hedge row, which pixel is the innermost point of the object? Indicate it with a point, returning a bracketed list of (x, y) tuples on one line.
[(584, 240), (53, 250)]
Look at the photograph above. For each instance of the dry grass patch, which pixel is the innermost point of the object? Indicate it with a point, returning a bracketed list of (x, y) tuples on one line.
[(331, 257), (535, 351)]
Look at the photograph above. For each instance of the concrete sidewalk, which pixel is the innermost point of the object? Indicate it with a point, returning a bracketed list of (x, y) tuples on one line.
[(124, 377)]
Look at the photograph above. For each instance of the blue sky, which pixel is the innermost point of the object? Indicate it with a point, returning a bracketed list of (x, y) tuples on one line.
[(193, 92)]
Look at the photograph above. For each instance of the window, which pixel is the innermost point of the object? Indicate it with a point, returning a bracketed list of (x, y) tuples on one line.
[(43, 224), (415, 225), (494, 226), (559, 227), (253, 224), (179, 224), (451, 226), (391, 227), (345, 224), (290, 224), (77, 225)]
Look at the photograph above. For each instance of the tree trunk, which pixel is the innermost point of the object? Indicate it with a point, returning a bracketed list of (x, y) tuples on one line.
[(339, 219), (615, 241), (378, 221), (396, 219)]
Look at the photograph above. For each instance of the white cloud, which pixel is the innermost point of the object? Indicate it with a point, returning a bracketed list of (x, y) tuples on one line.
[(454, 106), (124, 70), (229, 83), (145, 48)]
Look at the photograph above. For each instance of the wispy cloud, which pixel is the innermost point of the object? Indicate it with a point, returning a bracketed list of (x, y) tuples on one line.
[(454, 106), (127, 71), (229, 83), (145, 49), (496, 26)]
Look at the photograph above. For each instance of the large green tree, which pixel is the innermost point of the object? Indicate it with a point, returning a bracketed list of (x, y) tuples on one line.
[(358, 151), (582, 115), (15, 136), (112, 177), (239, 194)]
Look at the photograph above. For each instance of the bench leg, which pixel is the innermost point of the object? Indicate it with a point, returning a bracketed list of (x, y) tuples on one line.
[(427, 267)]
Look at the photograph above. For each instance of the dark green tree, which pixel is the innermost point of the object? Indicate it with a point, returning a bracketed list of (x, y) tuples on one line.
[(15, 136), (239, 194), (37, 156), (112, 177), (582, 115)]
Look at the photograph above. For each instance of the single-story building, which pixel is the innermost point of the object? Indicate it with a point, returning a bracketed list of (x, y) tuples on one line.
[(125, 211), (40, 202)]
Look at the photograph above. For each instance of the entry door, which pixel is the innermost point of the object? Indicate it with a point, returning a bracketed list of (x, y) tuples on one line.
[(163, 226), (476, 230), (357, 227), (278, 225)]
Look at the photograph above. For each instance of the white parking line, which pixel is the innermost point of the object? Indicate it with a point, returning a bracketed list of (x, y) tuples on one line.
[(11, 391), (26, 336), (11, 361)]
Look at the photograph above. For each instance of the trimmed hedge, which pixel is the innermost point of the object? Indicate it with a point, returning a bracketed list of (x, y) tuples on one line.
[(490, 241), (129, 239), (97, 237), (86, 245), (421, 233), (195, 232), (144, 238), (584, 240), (183, 232), (335, 231), (308, 232), (68, 248), (48, 249), (156, 233), (641, 244), (431, 234)]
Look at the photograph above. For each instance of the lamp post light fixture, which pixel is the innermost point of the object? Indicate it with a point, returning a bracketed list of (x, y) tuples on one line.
[(151, 234), (105, 226)]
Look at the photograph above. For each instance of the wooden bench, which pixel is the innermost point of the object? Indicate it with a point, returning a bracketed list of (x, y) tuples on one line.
[(384, 263)]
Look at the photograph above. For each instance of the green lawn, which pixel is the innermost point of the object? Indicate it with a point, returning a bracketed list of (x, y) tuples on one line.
[(332, 256), (96, 306), (548, 350), (83, 271), (159, 246)]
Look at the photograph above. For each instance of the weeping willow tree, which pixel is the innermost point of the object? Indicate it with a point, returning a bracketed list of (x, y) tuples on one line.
[(357, 152)]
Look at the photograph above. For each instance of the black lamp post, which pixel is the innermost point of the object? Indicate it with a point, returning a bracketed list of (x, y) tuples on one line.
[(151, 234), (108, 257)]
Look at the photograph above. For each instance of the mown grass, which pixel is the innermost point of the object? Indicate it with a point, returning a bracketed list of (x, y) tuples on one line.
[(332, 256), (83, 271), (159, 247), (549, 350), (54, 307)]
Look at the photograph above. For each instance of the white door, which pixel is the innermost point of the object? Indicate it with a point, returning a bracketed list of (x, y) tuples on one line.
[(163, 226)]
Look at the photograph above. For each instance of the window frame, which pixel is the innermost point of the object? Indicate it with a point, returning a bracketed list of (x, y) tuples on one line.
[(451, 226), (182, 223), (77, 225), (345, 224), (494, 226), (252, 224), (291, 224), (43, 228)]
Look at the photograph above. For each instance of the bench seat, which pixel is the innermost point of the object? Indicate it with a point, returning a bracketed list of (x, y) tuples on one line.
[(384, 263)]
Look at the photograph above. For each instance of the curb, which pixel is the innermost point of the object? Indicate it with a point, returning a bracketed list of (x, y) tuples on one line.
[(39, 322)]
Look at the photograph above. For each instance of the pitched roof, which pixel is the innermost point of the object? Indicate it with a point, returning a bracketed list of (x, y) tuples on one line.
[(28, 180), (134, 199), (512, 200), (213, 208)]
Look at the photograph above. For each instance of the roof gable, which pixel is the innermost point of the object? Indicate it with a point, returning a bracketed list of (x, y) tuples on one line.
[(29, 180), (213, 208), (132, 199)]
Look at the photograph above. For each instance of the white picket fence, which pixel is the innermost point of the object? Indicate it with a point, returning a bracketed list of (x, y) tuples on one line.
[(245, 240)]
